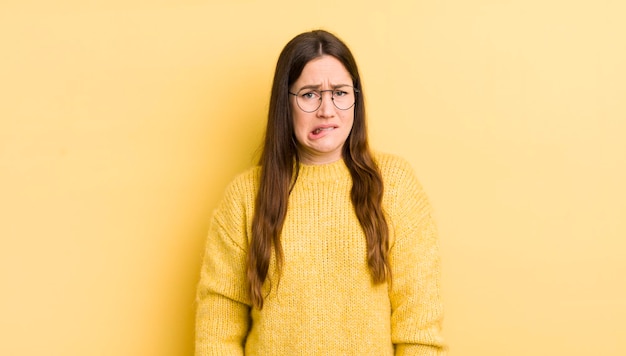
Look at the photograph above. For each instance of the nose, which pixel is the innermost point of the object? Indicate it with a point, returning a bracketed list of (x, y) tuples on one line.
[(327, 108)]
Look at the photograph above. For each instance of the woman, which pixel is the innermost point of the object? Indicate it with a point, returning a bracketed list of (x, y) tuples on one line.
[(324, 248)]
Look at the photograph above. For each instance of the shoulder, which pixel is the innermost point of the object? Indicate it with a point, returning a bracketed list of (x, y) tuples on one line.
[(232, 217), (394, 169), (244, 184), (389, 160), (239, 195), (404, 194)]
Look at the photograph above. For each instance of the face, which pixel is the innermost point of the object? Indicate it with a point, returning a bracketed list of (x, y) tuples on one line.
[(321, 134)]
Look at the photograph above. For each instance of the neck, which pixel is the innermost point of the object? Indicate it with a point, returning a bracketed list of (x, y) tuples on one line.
[(312, 159)]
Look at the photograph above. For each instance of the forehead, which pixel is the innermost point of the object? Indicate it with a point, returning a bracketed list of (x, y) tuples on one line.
[(324, 70)]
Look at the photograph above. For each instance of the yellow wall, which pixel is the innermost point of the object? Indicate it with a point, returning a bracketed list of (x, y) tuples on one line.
[(121, 123)]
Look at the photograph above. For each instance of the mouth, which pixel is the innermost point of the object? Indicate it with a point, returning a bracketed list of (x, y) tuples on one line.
[(319, 130)]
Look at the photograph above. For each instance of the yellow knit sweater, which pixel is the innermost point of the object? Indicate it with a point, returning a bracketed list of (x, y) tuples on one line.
[(325, 302)]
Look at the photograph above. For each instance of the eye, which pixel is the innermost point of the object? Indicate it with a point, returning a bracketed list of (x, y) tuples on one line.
[(339, 93), (310, 95)]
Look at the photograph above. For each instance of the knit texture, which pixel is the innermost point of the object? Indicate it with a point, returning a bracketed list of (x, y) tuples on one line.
[(325, 302)]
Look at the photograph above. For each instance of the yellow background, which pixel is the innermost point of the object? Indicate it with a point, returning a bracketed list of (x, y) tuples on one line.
[(122, 121)]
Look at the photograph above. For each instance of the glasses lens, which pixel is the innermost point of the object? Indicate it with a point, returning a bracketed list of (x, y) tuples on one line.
[(343, 97), (310, 100)]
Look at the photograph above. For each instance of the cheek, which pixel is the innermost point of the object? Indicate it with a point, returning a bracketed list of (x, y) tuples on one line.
[(348, 120), (300, 126)]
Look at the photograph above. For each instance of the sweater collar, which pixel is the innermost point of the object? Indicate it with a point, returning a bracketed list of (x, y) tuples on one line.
[(324, 172)]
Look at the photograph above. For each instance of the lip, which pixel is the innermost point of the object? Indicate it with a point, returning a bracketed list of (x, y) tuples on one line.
[(321, 131), (324, 127)]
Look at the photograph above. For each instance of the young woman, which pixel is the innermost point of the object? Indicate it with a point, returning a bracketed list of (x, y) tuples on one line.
[(324, 248)]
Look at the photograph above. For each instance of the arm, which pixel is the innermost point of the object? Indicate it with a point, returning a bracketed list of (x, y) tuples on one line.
[(416, 304), (222, 319)]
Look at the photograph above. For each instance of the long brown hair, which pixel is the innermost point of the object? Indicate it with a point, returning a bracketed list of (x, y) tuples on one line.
[(279, 173)]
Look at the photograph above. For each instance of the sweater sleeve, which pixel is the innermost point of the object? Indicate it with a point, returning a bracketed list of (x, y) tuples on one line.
[(416, 304), (222, 315)]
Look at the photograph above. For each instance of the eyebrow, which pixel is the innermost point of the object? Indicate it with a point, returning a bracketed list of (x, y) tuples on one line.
[(317, 86)]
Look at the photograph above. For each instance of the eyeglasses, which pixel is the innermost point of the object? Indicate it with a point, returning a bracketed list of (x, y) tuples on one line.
[(309, 100)]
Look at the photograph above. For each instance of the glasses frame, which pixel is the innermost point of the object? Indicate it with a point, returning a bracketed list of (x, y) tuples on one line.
[(332, 98)]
